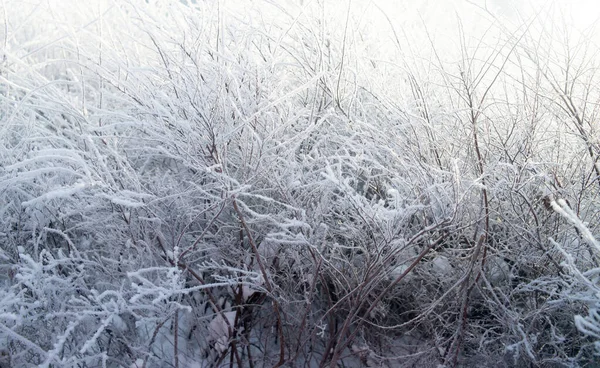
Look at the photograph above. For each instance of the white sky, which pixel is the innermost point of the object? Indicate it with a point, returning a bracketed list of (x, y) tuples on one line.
[(440, 15)]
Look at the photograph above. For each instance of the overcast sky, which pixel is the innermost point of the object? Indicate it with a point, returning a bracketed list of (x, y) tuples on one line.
[(440, 16)]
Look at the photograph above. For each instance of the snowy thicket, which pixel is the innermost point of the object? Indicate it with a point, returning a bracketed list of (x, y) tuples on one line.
[(296, 183)]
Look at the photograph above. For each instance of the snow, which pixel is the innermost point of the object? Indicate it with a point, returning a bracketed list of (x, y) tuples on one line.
[(218, 330), (247, 292), (441, 265), (54, 194), (125, 202)]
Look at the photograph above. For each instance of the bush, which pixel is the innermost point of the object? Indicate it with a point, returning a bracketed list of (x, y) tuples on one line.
[(196, 185)]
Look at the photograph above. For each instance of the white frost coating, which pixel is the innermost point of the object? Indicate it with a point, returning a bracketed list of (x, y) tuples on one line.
[(562, 208), (587, 327), (58, 193), (118, 127), (130, 193), (10, 334), (125, 202), (9, 316), (41, 157), (88, 344), (58, 346)]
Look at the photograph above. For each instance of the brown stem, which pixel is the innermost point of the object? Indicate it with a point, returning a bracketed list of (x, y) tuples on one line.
[(176, 339), (343, 343), (268, 285)]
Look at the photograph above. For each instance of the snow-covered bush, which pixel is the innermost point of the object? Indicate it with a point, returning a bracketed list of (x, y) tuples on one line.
[(585, 287), (209, 184)]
